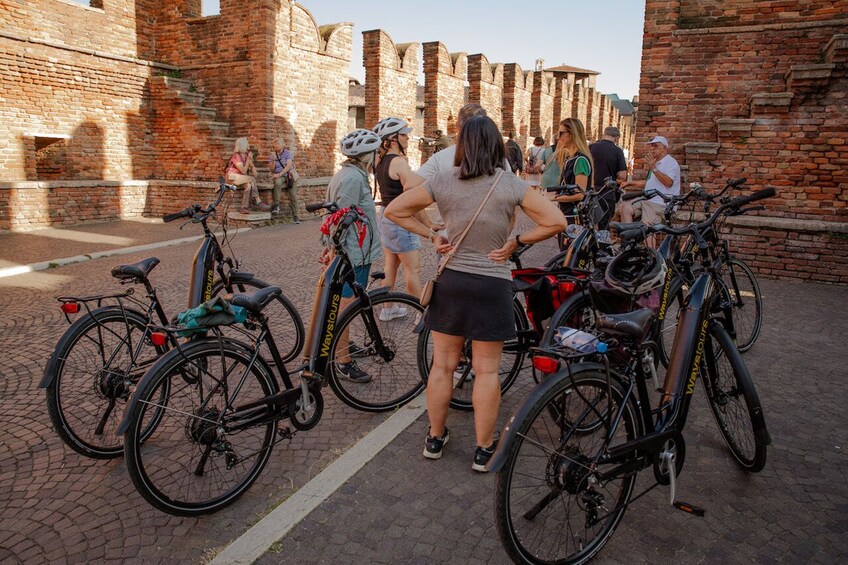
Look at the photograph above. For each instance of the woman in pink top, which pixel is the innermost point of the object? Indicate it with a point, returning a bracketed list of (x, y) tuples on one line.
[(238, 173)]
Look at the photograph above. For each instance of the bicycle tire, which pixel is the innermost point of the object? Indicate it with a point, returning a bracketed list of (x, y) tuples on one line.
[(665, 328), (557, 260), (187, 467), (547, 475), (512, 361), (734, 402), (394, 382), (746, 290), (576, 312), (94, 363), (286, 325)]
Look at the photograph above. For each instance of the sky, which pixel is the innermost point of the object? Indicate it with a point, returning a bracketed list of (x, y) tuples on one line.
[(601, 35)]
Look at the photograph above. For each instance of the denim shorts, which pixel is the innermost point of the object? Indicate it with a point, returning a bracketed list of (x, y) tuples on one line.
[(361, 273), (396, 239)]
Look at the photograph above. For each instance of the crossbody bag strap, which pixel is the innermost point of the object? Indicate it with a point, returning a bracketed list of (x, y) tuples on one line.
[(452, 252)]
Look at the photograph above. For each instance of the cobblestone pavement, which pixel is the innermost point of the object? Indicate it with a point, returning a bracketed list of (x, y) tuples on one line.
[(402, 508), (56, 505)]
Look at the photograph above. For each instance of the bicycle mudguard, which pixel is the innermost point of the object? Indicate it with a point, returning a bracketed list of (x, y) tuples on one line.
[(237, 277), (178, 352), (51, 367), (510, 429)]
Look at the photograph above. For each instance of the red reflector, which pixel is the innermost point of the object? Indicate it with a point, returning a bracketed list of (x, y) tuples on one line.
[(70, 307), (567, 287), (546, 364), (159, 338)]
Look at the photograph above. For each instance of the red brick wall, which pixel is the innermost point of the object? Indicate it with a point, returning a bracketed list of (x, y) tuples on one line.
[(542, 105), (518, 89), (485, 86), (754, 89), (445, 76), (391, 80)]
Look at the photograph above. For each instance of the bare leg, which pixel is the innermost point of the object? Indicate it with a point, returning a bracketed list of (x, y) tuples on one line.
[(446, 350), (486, 397), (390, 268), (626, 213), (411, 262), (342, 353)]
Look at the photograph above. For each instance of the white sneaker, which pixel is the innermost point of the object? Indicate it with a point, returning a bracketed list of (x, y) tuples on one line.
[(460, 371), (392, 312)]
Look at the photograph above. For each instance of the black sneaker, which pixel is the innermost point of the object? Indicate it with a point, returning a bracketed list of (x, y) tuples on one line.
[(296, 220), (433, 445), (483, 454), (353, 373), (355, 351)]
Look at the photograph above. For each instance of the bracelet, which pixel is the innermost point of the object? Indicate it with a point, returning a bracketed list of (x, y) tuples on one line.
[(432, 234)]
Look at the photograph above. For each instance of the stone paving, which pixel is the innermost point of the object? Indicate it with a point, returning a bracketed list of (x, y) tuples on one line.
[(56, 505)]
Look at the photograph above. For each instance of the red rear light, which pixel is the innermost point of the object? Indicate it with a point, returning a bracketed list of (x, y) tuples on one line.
[(159, 338), (70, 307), (545, 364), (567, 287)]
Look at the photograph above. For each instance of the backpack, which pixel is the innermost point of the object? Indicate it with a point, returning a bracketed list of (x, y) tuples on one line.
[(516, 161)]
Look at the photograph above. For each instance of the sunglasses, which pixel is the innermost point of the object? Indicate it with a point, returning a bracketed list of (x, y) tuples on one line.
[(563, 132)]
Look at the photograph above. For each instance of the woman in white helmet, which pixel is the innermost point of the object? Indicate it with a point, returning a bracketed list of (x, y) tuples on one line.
[(350, 187), (400, 246)]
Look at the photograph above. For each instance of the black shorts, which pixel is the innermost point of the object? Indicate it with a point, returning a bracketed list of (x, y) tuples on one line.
[(472, 306)]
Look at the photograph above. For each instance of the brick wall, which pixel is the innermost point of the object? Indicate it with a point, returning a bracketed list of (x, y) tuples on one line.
[(391, 81), (517, 91), (756, 92), (542, 106), (445, 76), (485, 86)]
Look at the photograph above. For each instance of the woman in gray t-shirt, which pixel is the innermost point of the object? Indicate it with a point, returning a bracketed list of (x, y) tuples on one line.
[(473, 296)]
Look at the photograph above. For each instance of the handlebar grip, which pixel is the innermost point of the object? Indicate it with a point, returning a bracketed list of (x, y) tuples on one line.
[(759, 195), (175, 216), (316, 206), (737, 182), (569, 188), (632, 195)]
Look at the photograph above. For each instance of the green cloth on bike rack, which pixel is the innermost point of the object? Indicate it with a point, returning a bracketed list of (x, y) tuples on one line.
[(213, 312)]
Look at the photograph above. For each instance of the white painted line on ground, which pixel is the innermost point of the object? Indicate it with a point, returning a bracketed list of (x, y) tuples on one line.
[(44, 265), (273, 527)]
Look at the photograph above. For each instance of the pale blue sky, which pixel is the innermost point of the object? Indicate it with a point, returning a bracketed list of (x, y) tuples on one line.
[(602, 35)]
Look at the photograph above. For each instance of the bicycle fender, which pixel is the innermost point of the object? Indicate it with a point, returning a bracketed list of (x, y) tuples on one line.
[(53, 362), (510, 429), (151, 373)]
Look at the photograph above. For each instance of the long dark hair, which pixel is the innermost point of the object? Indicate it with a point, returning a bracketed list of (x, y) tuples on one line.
[(479, 149)]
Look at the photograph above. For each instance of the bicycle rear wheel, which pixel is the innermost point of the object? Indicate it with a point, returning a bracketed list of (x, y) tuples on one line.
[(552, 503), (734, 401), (283, 320), (747, 299), (199, 457), (395, 379), (512, 361), (576, 312), (93, 371)]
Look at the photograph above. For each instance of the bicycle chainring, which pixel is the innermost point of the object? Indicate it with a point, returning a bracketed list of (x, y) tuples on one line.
[(306, 417)]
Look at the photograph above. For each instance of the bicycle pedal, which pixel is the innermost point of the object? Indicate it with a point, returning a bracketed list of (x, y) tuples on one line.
[(689, 508), (285, 432)]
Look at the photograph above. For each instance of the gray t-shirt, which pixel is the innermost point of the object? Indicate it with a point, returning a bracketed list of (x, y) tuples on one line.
[(458, 200)]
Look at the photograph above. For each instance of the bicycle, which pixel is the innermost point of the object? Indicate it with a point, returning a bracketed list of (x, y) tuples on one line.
[(569, 456), (102, 355), (202, 423)]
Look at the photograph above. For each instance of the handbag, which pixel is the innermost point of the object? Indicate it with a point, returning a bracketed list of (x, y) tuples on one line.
[(427, 290)]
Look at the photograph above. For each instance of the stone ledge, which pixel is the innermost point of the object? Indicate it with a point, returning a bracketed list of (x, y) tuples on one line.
[(817, 72), (769, 222), (36, 185), (771, 99), (735, 125), (764, 27), (839, 42), (701, 148)]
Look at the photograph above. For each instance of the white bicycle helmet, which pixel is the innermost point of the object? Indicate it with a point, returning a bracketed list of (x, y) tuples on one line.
[(636, 271), (359, 142), (388, 127)]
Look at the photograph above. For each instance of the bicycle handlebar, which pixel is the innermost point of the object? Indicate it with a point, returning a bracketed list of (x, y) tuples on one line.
[(329, 206), (195, 211)]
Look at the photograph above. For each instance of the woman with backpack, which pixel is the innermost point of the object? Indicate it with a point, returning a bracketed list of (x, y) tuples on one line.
[(534, 162)]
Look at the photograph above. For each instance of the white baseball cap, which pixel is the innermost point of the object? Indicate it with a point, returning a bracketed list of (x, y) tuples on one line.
[(658, 139)]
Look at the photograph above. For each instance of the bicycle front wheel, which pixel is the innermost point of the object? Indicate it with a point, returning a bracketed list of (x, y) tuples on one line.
[(553, 502), (734, 402), (512, 360), (94, 369), (283, 320), (671, 305), (204, 451), (744, 293), (392, 375)]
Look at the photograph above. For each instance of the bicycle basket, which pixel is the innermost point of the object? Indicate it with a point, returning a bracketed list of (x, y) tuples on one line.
[(214, 312)]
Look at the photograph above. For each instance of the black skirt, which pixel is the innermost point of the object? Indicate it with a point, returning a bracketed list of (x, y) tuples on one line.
[(472, 306)]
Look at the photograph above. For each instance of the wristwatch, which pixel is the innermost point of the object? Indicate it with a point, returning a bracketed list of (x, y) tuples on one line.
[(518, 240)]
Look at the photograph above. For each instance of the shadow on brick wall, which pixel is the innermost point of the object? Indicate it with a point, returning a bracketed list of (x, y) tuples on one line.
[(316, 158)]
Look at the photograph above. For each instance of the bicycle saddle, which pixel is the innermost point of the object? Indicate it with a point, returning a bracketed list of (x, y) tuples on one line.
[(633, 324), (254, 301), (138, 270), (619, 227)]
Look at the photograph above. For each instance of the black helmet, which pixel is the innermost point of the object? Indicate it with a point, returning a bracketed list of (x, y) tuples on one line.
[(636, 271)]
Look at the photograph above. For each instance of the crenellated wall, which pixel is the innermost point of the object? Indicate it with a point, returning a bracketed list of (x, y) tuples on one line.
[(517, 107), (486, 86), (542, 106), (445, 79)]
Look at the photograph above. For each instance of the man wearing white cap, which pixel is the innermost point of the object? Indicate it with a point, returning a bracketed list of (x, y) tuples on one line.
[(663, 176)]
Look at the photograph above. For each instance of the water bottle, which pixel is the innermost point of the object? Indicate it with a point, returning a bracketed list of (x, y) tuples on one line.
[(579, 341)]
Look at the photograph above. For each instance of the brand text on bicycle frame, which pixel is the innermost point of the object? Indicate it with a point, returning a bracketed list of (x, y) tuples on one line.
[(331, 324), (699, 352)]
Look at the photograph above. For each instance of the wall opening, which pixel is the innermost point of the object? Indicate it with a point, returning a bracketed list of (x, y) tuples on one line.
[(51, 158), (210, 8), (90, 3)]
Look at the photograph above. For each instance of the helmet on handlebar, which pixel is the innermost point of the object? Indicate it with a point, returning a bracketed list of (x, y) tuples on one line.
[(388, 127), (636, 271), (359, 142)]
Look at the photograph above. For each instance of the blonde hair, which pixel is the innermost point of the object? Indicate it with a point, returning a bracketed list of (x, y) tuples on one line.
[(578, 138), (241, 145)]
